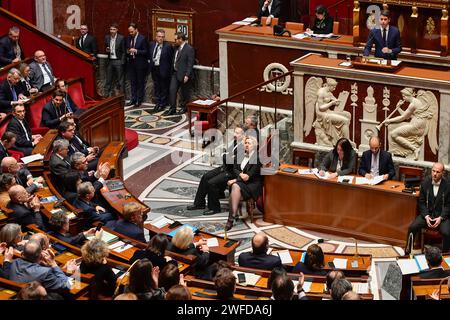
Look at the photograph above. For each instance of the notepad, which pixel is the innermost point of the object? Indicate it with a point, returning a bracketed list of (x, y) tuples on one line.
[(360, 287), (32, 158), (285, 256), (340, 263), (160, 222), (250, 278), (306, 286), (106, 237), (415, 265), (212, 242)]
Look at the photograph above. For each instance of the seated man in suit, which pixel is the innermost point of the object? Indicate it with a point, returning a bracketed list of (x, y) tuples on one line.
[(66, 130), (132, 224), (92, 211), (41, 73), (7, 141), (26, 207), (434, 206), (63, 86), (55, 111), (10, 94), (376, 162), (60, 222), (24, 85), (86, 41), (10, 50), (259, 258), (270, 9), (60, 163), (97, 177), (283, 288), (25, 140), (386, 39), (433, 255), (21, 173)]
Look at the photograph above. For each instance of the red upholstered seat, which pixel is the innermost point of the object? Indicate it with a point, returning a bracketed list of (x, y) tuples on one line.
[(16, 154), (34, 116), (132, 139), (77, 95), (4, 125)]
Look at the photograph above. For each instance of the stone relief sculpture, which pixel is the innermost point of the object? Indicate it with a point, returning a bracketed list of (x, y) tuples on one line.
[(406, 138), (330, 123), (369, 120)]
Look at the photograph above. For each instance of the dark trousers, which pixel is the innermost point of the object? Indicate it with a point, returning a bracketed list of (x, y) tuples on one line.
[(161, 83), (27, 151), (185, 90), (444, 230), (114, 77), (213, 183), (137, 74)]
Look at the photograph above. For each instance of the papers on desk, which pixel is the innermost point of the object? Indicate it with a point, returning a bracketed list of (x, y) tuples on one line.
[(32, 158), (306, 171), (300, 36), (250, 278), (123, 248), (207, 102), (415, 265), (160, 222), (394, 63), (325, 36), (372, 182), (306, 286), (212, 242), (360, 287), (342, 178), (340, 263), (106, 237), (49, 199), (285, 256), (325, 177), (120, 246), (116, 244), (345, 64), (246, 21)]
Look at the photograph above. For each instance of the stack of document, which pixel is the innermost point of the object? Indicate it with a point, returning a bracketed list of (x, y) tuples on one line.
[(360, 287), (106, 237), (415, 265), (32, 158), (284, 255), (306, 286), (246, 21), (250, 278), (300, 36), (204, 102), (340, 263), (326, 176), (212, 242), (307, 171), (120, 246), (160, 222), (374, 181)]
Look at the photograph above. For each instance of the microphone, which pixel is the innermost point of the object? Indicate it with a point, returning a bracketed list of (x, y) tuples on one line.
[(356, 255)]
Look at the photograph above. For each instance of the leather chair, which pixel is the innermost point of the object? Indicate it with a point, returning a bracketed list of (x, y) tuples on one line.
[(272, 23), (295, 27), (303, 157), (336, 27)]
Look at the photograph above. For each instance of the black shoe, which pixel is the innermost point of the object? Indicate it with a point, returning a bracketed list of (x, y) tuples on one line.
[(209, 212), (131, 103), (194, 207), (182, 111), (229, 224), (157, 109), (169, 112)]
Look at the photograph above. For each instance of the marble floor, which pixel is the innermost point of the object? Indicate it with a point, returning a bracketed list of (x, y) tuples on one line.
[(164, 172)]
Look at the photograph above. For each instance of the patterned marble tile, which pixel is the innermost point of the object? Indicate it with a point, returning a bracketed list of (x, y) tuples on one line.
[(383, 252), (287, 236)]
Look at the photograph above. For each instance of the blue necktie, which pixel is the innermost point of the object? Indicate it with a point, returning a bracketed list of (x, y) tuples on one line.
[(14, 94), (68, 105)]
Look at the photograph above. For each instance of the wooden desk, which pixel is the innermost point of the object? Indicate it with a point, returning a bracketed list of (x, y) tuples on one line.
[(210, 110), (44, 147), (376, 213), (217, 253), (111, 154), (116, 199)]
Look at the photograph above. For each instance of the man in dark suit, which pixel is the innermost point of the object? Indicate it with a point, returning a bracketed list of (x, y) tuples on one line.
[(97, 177), (55, 111), (8, 141), (21, 174), (63, 86), (433, 255), (60, 163), (41, 73), (161, 68), (115, 47), (132, 223), (10, 94), (214, 182), (386, 39), (259, 258), (376, 162), (10, 49), (86, 41), (434, 206), (26, 208), (137, 64), (25, 140), (270, 9), (182, 75)]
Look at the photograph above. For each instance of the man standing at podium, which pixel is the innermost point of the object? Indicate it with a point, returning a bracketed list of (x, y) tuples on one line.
[(270, 9), (386, 39)]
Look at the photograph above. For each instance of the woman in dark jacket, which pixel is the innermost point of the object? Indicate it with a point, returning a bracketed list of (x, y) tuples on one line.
[(340, 161), (314, 262), (323, 24), (143, 281), (155, 252), (249, 181)]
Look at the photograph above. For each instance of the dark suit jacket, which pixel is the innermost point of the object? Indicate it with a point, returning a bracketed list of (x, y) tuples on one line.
[(7, 51), (393, 42), (301, 267), (6, 96), (128, 229), (77, 240), (184, 64), (21, 87), (89, 45), (21, 138), (121, 52), (75, 146), (202, 257), (69, 102), (50, 118), (260, 261), (255, 181), (25, 216), (438, 273), (59, 169), (140, 59), (275, 10), (165, 61), (428, 204), (36, 75), (323, 27), (329, 163), (3, 152), (386, 165)]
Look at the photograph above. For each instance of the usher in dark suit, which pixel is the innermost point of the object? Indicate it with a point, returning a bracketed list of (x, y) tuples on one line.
[(435, 206), (7, 53), (23, 144), (274, 10), (137, 66), (393, 42), (385, 166), (161, 73), (89, 45), (115, 68)]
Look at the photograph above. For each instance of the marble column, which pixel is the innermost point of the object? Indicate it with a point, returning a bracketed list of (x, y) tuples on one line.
[(299, 84), (44, 15), (223, 62), (444, 127)]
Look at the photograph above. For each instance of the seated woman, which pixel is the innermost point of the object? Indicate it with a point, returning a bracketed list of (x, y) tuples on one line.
[(59, 222), (340, 161), (314, 262), (132, 223), (94, 254), (323, 24), (143, 281), (155, 252), (71, 182), (24, 85), (11, 235), (169, 277), (182, 243), (249, 182)]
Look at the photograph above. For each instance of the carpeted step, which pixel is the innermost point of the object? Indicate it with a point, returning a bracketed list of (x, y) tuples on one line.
[(132, 139)]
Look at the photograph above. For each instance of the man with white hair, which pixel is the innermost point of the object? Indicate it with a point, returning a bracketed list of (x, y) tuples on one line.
[(26, 207), (10, 49), (41, 73), (10, 94)]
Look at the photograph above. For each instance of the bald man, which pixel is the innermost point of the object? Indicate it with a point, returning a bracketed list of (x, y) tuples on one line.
[(259, 257), (26, 207), (41, 73), (376, 162), (434, 206), (22, 174)]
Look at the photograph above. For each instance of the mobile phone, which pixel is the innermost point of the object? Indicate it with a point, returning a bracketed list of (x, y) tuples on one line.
[(99, 227), (241, 277), (331, 264), (354, 264), (175, 224), (229, 243)]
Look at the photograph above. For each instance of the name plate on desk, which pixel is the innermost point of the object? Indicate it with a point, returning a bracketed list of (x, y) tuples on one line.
[(376, 64)]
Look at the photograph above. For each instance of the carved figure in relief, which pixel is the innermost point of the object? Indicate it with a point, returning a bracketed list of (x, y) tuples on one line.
[(332, 122), (406, 138)]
